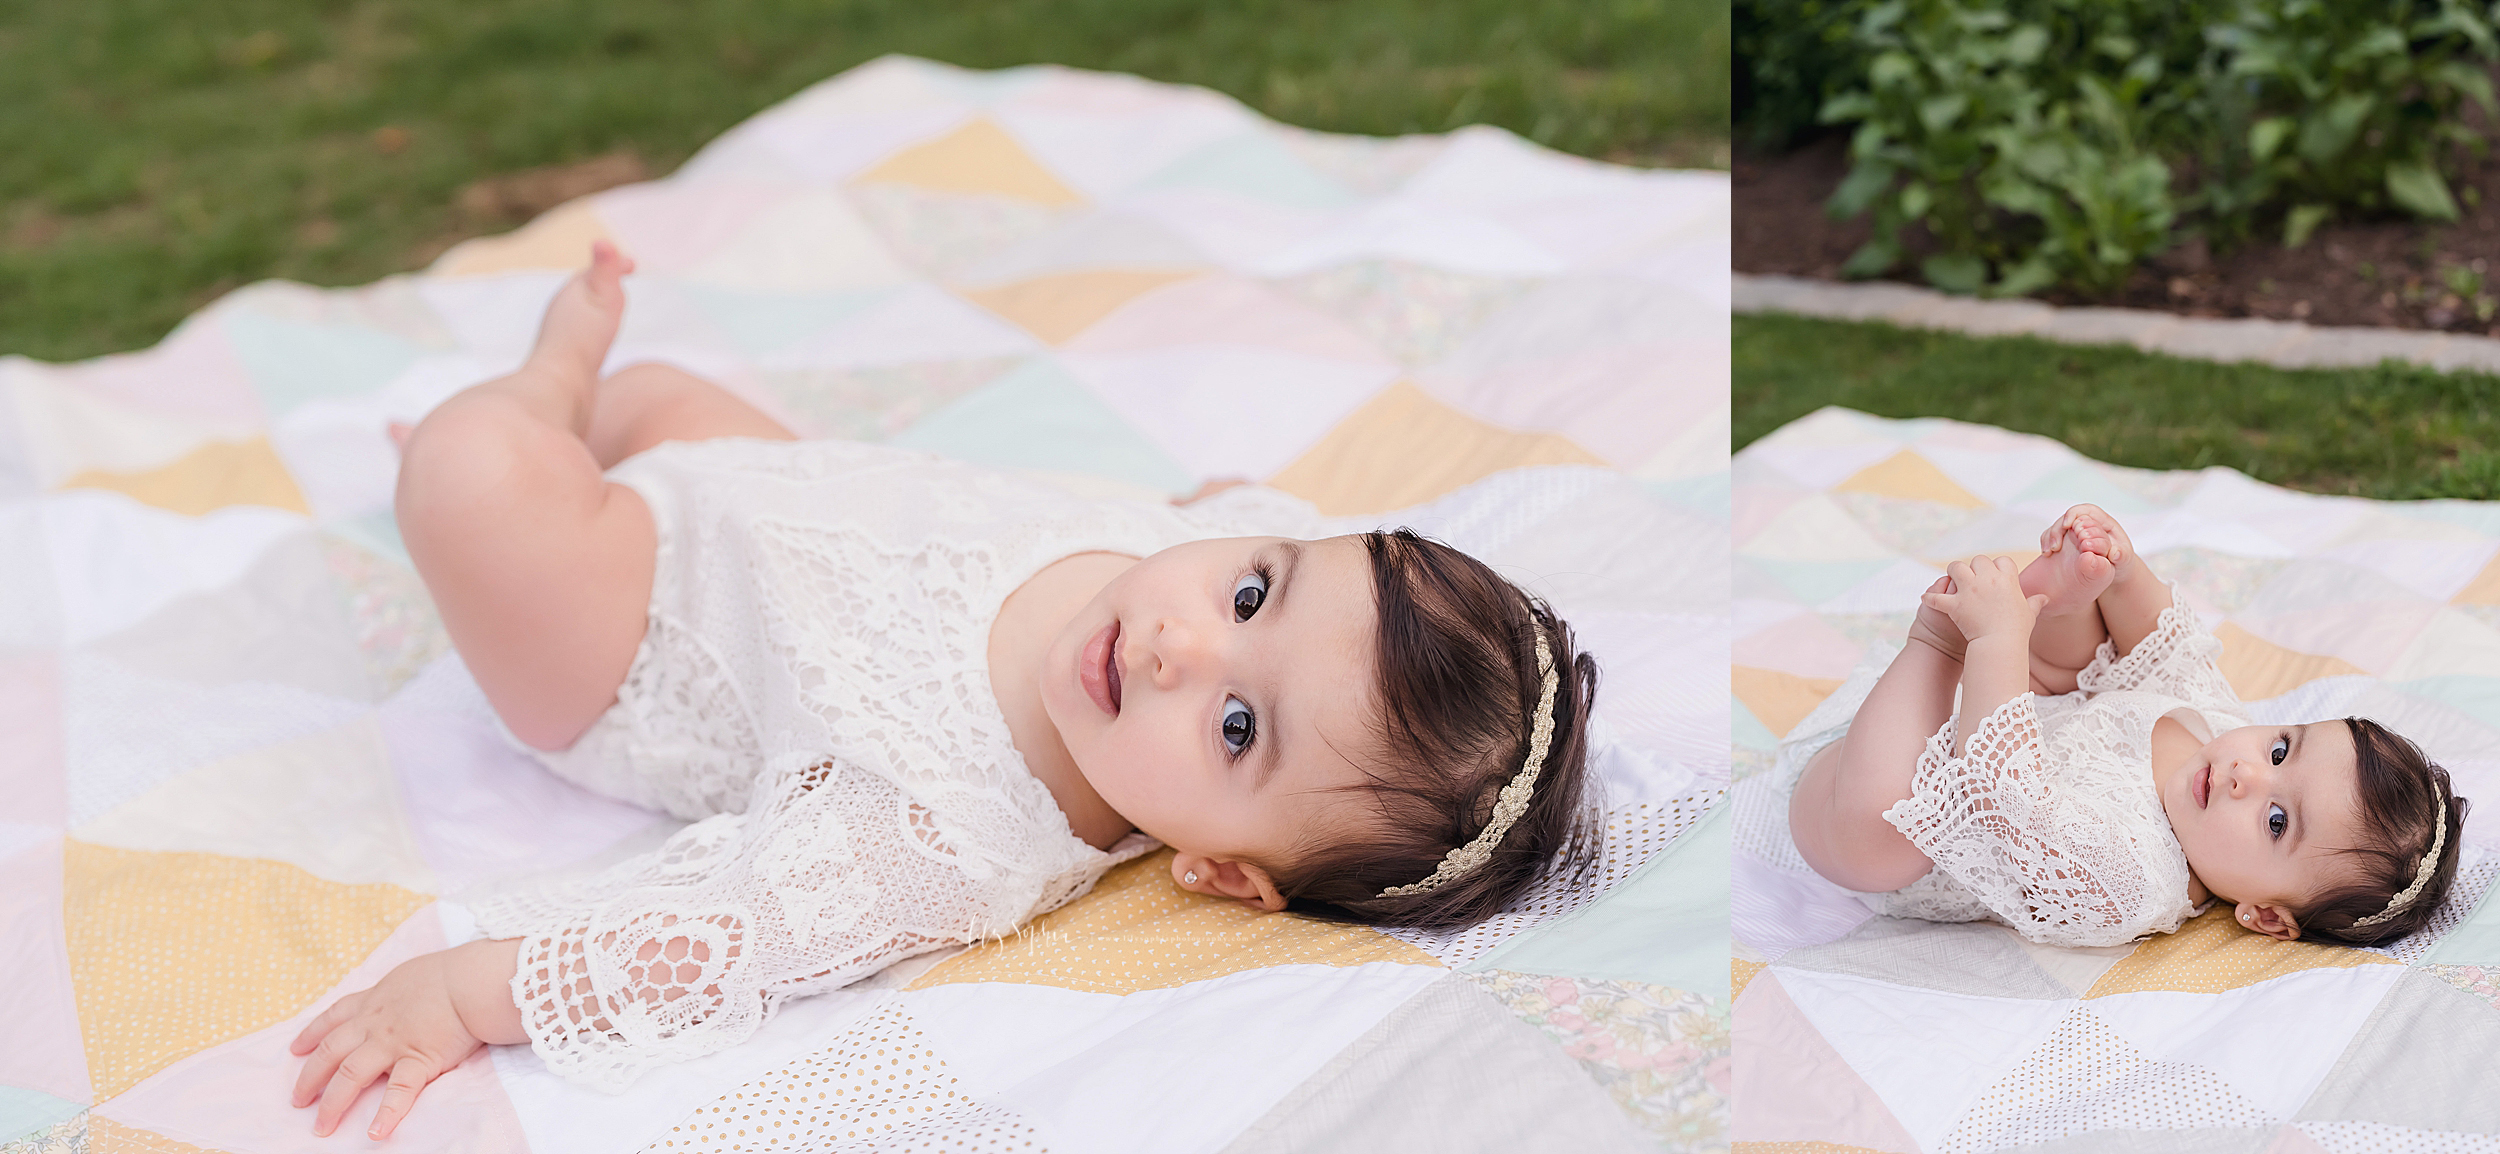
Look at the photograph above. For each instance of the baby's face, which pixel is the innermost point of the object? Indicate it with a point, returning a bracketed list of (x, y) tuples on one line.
[(1213, 692), (2263, 810)]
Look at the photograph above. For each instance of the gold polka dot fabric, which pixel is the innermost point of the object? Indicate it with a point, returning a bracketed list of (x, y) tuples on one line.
[(211, 477), (1739, 973), (171, 953), (1780, 700), (1908, 476), (1138, 931), (880, 1087), (977, 158), (1404, 448), (2211, 954), (106, 1136)]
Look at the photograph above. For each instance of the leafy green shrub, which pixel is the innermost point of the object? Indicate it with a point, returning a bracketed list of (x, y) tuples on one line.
[(2351, 104), (2062, 142), (1791, 56)]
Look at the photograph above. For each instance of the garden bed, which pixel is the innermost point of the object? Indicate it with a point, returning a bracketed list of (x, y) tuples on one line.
[(2390, 273)]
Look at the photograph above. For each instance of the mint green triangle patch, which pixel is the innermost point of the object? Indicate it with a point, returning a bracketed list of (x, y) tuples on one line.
[(292, 362), (2481, 516), (2477, 942), (2473, 695), (1666, 924), (1252, 164), (1711, 494), (763, 323), (2081, 484), (1038, 417), (378, 533), (1815, 582), (24, 1111)]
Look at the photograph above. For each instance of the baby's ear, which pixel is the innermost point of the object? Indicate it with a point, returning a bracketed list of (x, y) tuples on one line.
[(2271, 920), (1241, 881)]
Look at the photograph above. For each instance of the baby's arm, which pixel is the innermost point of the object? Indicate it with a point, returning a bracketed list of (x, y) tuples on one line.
[(1988, 605), (420, 1020)]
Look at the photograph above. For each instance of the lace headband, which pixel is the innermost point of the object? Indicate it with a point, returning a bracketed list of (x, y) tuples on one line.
[(2422, 876), (1514, 799)]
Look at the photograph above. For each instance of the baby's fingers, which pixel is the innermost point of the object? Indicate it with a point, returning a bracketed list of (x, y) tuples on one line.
[(358, 1071), (320, 1027), (323, 1062), (408, 1079)]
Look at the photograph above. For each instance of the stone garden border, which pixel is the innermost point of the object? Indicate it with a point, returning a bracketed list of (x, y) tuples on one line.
[(2284, 344)]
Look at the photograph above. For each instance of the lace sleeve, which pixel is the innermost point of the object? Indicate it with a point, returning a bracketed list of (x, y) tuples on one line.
[(2052, 864), (2178, 659), (829, 875)]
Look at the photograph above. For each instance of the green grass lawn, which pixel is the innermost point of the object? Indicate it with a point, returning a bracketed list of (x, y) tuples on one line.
[(155, 153), (2392, 431)]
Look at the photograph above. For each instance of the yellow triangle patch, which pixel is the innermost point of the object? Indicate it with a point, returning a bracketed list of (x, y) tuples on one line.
[(1739, 973), (171, 953), (979, 158), (1138, 931), (2258, 669), (208, 478), (106, 1136), (1404, 448), (1779, 700), (1058, 307), (1910, 477), (559, 240), (2211, 954), (2484, 589)]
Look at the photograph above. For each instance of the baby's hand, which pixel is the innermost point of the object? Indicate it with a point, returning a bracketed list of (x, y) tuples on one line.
[(407, 1028), (1986, 599)]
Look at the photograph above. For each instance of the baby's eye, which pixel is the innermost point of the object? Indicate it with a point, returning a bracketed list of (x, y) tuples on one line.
[(2282, 749), (1248, 594), (1241, 727), (2276, 819)]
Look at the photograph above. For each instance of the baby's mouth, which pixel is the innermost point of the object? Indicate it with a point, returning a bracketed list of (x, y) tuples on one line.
[(2201, 788), (1111, 667)]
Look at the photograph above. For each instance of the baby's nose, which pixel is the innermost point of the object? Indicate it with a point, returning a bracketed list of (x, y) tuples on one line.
[(1179, 648)]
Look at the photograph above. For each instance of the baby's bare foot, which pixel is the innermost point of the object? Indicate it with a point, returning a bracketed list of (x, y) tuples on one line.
[(581, 321), (1933, 627), (2077, 570)]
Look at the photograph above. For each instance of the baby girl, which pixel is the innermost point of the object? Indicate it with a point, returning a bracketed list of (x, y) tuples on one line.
[(909, 703), (2100, 780)]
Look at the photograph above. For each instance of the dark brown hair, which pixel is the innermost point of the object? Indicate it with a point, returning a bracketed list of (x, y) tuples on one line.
[(2402, 794), (1458, 692)]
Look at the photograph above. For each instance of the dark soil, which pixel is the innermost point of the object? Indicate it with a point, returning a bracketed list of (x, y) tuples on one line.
[(2389, 273)]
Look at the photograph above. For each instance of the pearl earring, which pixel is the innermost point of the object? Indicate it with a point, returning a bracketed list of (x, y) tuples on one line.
[(1190, 878)]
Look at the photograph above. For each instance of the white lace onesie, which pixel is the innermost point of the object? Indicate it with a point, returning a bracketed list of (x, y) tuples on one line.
[(813, 693), (2051, 821)]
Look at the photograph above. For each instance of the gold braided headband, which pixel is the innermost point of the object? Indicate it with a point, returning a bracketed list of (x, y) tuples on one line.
[(1514, 800), (2430, 864)]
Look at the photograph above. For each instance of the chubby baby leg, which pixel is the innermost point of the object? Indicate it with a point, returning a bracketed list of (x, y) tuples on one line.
[(2078, 559), (1837, 814), (540, 568), (646, 404)]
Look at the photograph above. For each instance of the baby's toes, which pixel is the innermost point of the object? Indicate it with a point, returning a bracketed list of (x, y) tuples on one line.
[(2093, 566)]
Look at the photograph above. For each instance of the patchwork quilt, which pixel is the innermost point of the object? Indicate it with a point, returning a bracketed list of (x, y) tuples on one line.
[(242, 772), (1857, 1032)]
